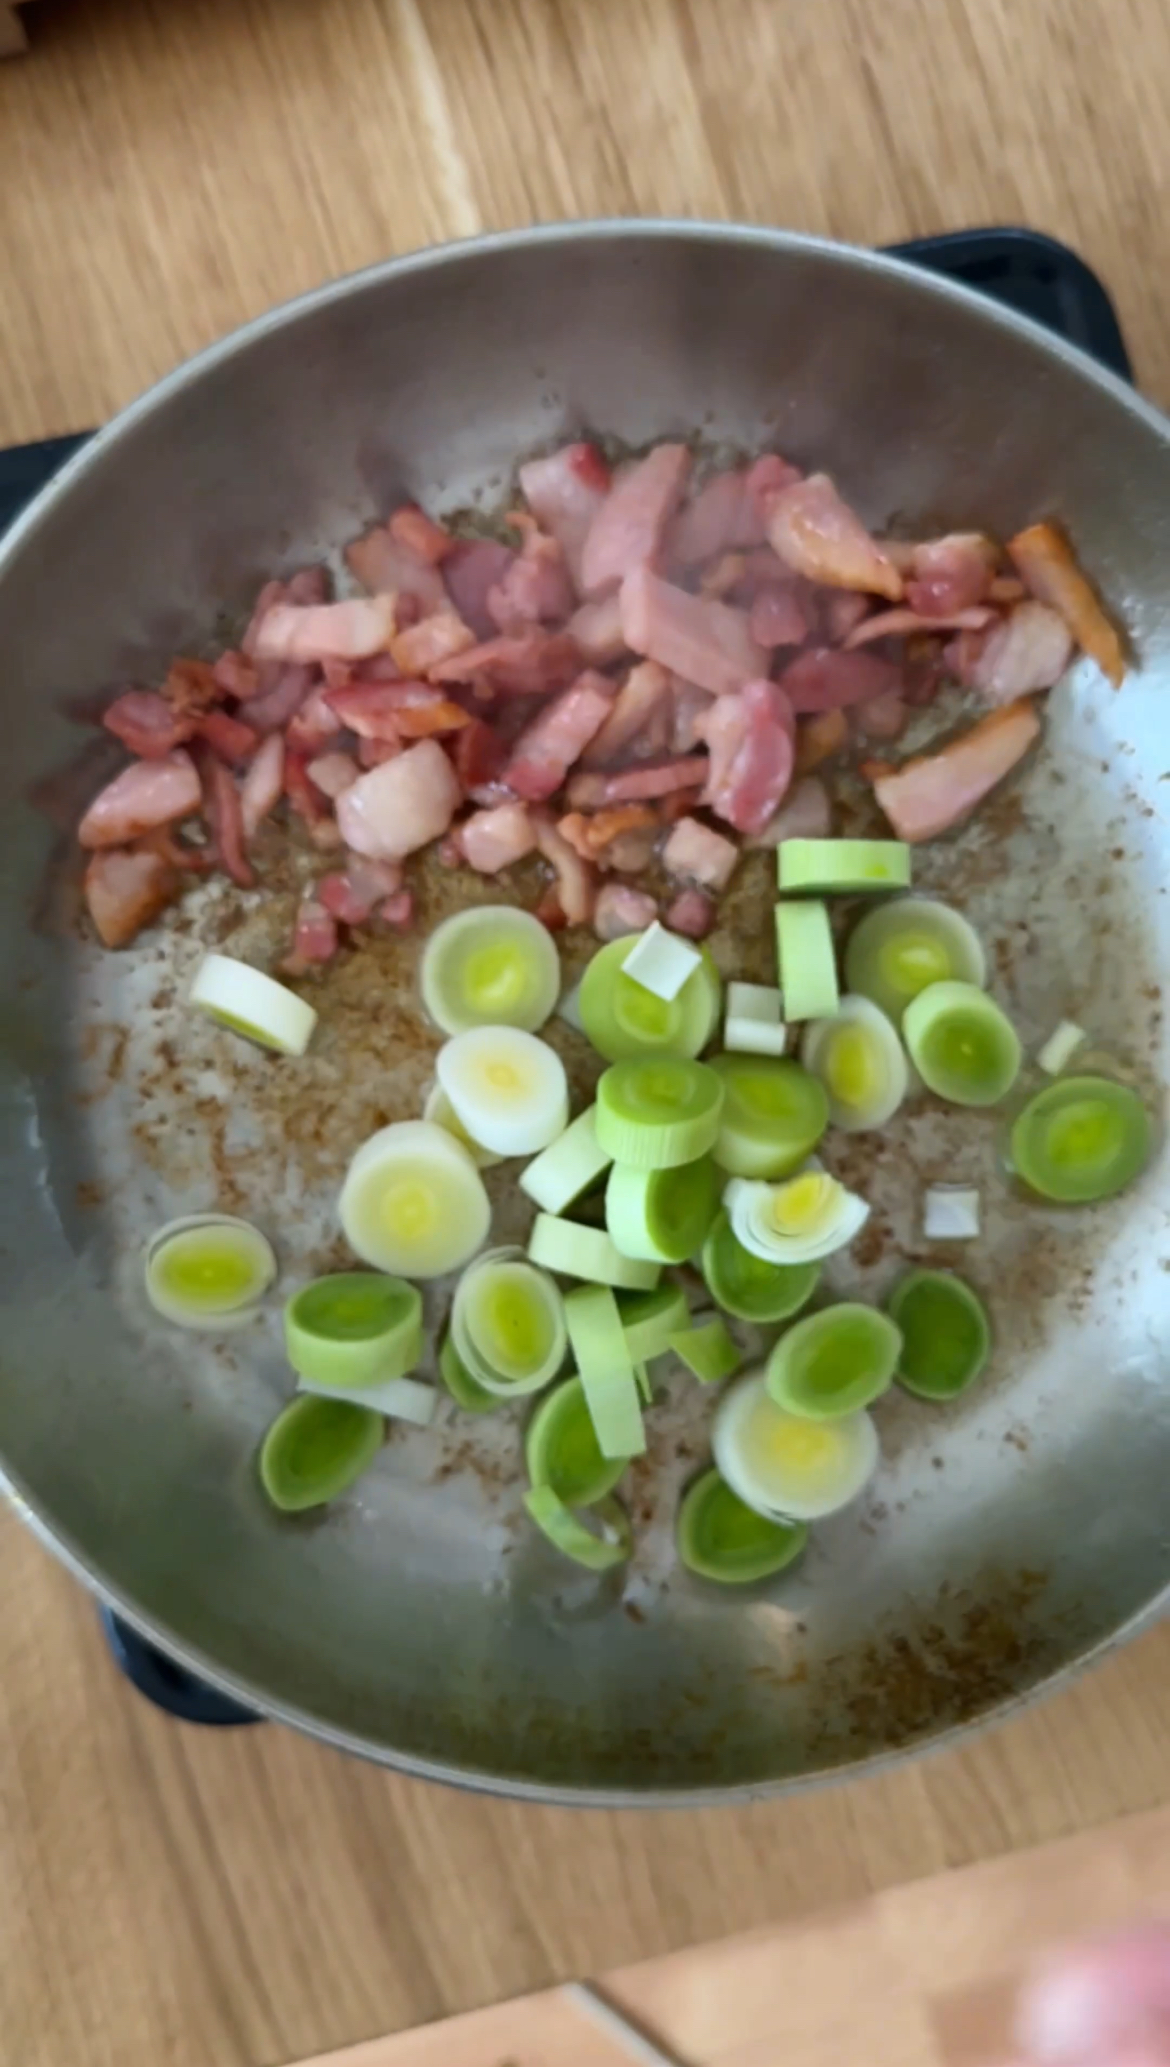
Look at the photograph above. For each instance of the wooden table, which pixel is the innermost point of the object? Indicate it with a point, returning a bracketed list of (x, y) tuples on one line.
[(167, 168)]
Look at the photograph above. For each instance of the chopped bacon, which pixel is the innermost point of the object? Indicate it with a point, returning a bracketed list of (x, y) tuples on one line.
[(548, 747), (693, 851), (1006, 589), (425, 720), (492, 840), (691, 913), (471, 570), (125, 889), (397, 911), (752, 738), (386, 567), (576, 885), (932, 792), (433, 639), (1030, 650), (895, 624), (282, 692), (401, 806), (705, 641), (597, 629), (479, 755), (1043, 557), (306, 800), (316, 725), (768, 477), (688, 705), (236, 675), (805, 814), (723, 516), (723, 575), (591, 792), (307, 585), (820, 737), (537, 587), (620, 910), (951, 574), (591, 836), (319, 631), (529, 664), (564, 493), (263, 785), (819, 536), (191, 687), (371, 708), (332, 773), (824, 678), (627, 531), (372, 752), (351, 894), (270, 593), (841, 612), (145, 795), (411, 528), (778, 617), (147, 723), (643, 693), (221, 803), (227, 737), (923, 667), (884, 717), (315, 939)]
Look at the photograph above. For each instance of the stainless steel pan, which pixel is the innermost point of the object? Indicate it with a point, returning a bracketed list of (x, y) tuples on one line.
[(1008, 1539)]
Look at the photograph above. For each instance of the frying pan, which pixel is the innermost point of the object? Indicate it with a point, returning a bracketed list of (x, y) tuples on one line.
[(1009, 1538)]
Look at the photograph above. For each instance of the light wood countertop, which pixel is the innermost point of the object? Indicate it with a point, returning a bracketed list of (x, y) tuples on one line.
[(168, 168)]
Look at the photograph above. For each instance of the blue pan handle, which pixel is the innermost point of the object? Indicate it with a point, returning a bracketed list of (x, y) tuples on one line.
[(168, 1685)]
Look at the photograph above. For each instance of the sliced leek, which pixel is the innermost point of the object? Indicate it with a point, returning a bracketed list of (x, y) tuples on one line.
[(951, 1213), (465, 1390), (720, 1538), (568, 1167), (661, 1216), (315, 1449), (413, 1202), (783, 1465), (508, 1325), (208, 1271), (1080, 1140), (773, 1115), (754, 1024), (898, 949), (946, 1335), (659, 1112), (400, 1399), (353, 1328), (494, 965), (750, 1287), (708, 1351), (248, 1002), (649, 1319), (1060, 1047), (561, 1449), (441, 1113), (622, 1019), (599, 1544), (963, 1046), (585, 1252), (661, 962), (507, 1088), (606, 1370), (806, 962), (859, 1059), (802, 1219), (834, 1362), (832, 866)]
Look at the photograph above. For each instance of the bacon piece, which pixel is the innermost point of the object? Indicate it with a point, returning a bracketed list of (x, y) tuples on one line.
[(820, 737), (145, 795), (402, 805), (593, 836), (282, 692), (628, 529), (495, 839), (371, 708), (529, 664), (588, 791), (263, 785), (307, 585), (372, 752), (1045, 560), (315, 938), (723, 516), (564, 493), (805, 814), (318, 631), (895, 624), (147, 724), (411, 528), (693, 851), (620, 910), (191, 687), (479, 754), (923, 667), (316, 725), (819, 536), (1006, 589), (332, 773), (597, 629), (351, 894), (548, 747), (644, 692), (433, 639), (884, 717), (221, 803), (537, 587), (824, 678), (723, 575), (397, 911), (688, 705), (779, 617), (841, 612), (386, 567), (691, 913), (948, 575), (236, 675), (125, 889), (767, 477), (1030, 650), (932, 792), (705, 641), (305, 799), (228, 739), (425, 720), (752, 738), (576, 885), (471, 571)]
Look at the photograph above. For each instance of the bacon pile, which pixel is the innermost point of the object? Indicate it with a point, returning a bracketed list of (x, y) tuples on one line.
[(649, 676)]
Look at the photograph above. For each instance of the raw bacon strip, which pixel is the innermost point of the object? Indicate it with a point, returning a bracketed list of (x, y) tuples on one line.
[(145, 795), (236, 675), (825, 679), (327, 631), (576, 885), (402, 805), (547, 749), (692, 913), (819, 536), (644, 692), (531, 664), (305, 799), (688, 705), (472, 569), (820, 737), (620, 910), (332, 773), (316, 725), (191, 687), (417, 533), (927, 795), (767, 477), (1044, 558), (263, 785), (694, 851), (950, 574), (778, 617), (1030, 650), (495, 839), (752, 738), (707, 642), (537, 587), (224, 816), (385, 567), (884, 717), (426, 720), (125, 889), (351, 894), (230, 740), (592, 836), (805, 814), (433, 639), (147, 724), (282, 692), (397, 911), (627, 530), (591, 792), (315, 938), (307, 585), (564, 493), (724, 516), (597, 628), (896, 624), (479, 755)]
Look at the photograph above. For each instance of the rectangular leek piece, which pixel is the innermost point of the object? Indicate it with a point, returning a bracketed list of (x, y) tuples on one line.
[(567, 1167), (606, 1370), (754, 1023), (807, 964), (661, 962), (585, 1252), (821, 866), (708, 1351)]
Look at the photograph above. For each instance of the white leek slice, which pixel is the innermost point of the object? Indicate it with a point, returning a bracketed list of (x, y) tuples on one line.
[(661, 962), (507, 1088), (1060, 1047), (798, 1220), (493, 965), (440, 1110), (754, 1025), (568, 1166), (859, 1059), (606, 1370), (783, 1465), (413, 1202), (401, 1399), (951, 1213), (606, 1543), (584, 1252), (208, 1271), (248, 1002)]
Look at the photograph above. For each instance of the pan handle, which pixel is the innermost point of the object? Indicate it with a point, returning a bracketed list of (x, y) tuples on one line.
[(170, 1686)]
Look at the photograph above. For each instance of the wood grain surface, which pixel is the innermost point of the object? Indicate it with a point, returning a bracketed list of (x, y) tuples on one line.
[(171, 1898)]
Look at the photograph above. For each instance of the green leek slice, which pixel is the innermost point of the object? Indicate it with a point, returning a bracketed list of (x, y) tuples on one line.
[(946, 1335), (773, 1115), (622, 1019), (898, 949), (494, 965), (829, 866), (585, 1252), (963, 1046), (749, 1287), (315, 1449), (561, 1449), (597, 1552), (1081, 1139), (859, 1059), (508, 1325), (465, 1390), (353, 1328), (708, 1352), (208, 1271), (606, 1370), (649, 1319), (835, 1362), (567, 1167), (720, 1538), (806, 962), (658, 1113), (661, 1215)]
